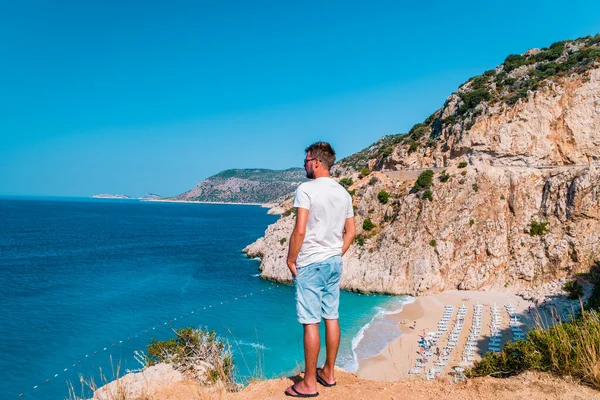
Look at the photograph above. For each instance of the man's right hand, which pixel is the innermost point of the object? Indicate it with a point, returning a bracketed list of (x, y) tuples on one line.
[(292, 267)]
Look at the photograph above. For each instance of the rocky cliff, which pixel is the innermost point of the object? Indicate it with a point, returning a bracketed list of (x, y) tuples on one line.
[(512, 198), (246, 186)]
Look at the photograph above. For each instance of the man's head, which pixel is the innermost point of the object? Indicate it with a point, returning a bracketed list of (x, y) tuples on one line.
[(319, 159)]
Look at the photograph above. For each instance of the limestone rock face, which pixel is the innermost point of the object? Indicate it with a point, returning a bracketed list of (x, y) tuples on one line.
[(473, 235), (139, 385), (532, 164), (557, 125)]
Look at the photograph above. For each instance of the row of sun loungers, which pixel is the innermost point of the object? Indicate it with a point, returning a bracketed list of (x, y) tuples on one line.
[(429, 342)]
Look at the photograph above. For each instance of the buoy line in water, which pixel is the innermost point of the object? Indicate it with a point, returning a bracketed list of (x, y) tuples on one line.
[(36, 388)]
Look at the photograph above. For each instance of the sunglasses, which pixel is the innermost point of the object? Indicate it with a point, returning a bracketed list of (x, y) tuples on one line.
[(309, 160)]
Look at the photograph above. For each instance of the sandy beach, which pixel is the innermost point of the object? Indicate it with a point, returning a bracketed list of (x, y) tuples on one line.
[(421, 317)]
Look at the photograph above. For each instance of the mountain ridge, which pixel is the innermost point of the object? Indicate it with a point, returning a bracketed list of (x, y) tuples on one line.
[(250, 185)]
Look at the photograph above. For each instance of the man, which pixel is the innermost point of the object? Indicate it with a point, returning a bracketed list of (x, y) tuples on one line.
[(323, 232)]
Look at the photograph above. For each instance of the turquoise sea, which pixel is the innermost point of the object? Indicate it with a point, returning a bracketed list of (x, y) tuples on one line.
[(85, 283)]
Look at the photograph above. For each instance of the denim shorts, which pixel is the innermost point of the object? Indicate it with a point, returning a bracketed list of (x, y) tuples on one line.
[(318, 290)]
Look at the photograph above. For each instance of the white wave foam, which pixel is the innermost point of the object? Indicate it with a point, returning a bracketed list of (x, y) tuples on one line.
[(381, 330), (255, 275), (255, 345)]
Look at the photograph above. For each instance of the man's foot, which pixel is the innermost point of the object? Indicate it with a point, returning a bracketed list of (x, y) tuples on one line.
[(295, 391), (323, 378)]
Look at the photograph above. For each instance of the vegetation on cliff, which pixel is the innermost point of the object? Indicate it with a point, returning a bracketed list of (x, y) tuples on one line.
[(198, 354), (502, 87)]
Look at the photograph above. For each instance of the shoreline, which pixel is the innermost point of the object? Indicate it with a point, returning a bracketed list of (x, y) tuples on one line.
[(418, 318)]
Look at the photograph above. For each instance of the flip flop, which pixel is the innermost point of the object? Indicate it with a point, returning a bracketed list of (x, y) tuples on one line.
[(323, 381), (298, 394)]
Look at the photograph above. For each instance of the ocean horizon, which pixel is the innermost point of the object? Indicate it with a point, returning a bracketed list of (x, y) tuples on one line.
[(88, 282)]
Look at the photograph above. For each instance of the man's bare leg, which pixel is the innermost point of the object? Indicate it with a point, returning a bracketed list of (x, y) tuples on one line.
[(332, 343), (312, 344)]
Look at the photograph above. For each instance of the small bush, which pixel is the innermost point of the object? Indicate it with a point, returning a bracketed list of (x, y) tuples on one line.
[(475, 187), (427, 195), (346, 182), (502, 197), (463, 173), (368, 225), (201, 353), (462, 164), (574, 289), (360, 240), (290, 211), (383, 196), (373, 180), (514, 61), (433, 243), (538, 228), (565, 349), (444, 177), (473, 98), (417, 131), (365, 171), (424, 180), (471, 222), (282, 241), (414, 145)]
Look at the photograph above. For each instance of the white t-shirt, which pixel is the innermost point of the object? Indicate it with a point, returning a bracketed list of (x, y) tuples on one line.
[(328, 205)]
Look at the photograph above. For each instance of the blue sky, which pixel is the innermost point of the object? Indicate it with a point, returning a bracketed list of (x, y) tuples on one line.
[(136, 97)]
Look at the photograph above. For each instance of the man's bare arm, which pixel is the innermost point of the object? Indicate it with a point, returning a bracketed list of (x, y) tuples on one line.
[(297, 239), (349, 233)]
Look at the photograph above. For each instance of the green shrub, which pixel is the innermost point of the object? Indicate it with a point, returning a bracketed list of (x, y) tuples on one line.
[(346, 182), (444, 177), (204, 354), (432, 243), (365, 171), (475, 187), (373, 180), (514, 61), (290, 211), (424, 180), (417, 131), (431, 118), (537, 228), (574, 289), (368, 225), (473, 98), (502, 197), (387, 151), (360, 240), (414, 145), (383, 196), (427, 195), (471, 222), (463, 173), (462, 164), (516, 357), (479, 82), (565, 349)]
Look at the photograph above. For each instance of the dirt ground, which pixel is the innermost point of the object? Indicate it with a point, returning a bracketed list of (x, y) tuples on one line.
[(531, 385)]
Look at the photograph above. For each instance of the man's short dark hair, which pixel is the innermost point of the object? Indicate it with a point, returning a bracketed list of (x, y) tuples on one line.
[(324, 152)]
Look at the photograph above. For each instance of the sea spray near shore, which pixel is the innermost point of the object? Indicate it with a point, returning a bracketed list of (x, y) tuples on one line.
[(372, 337)]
